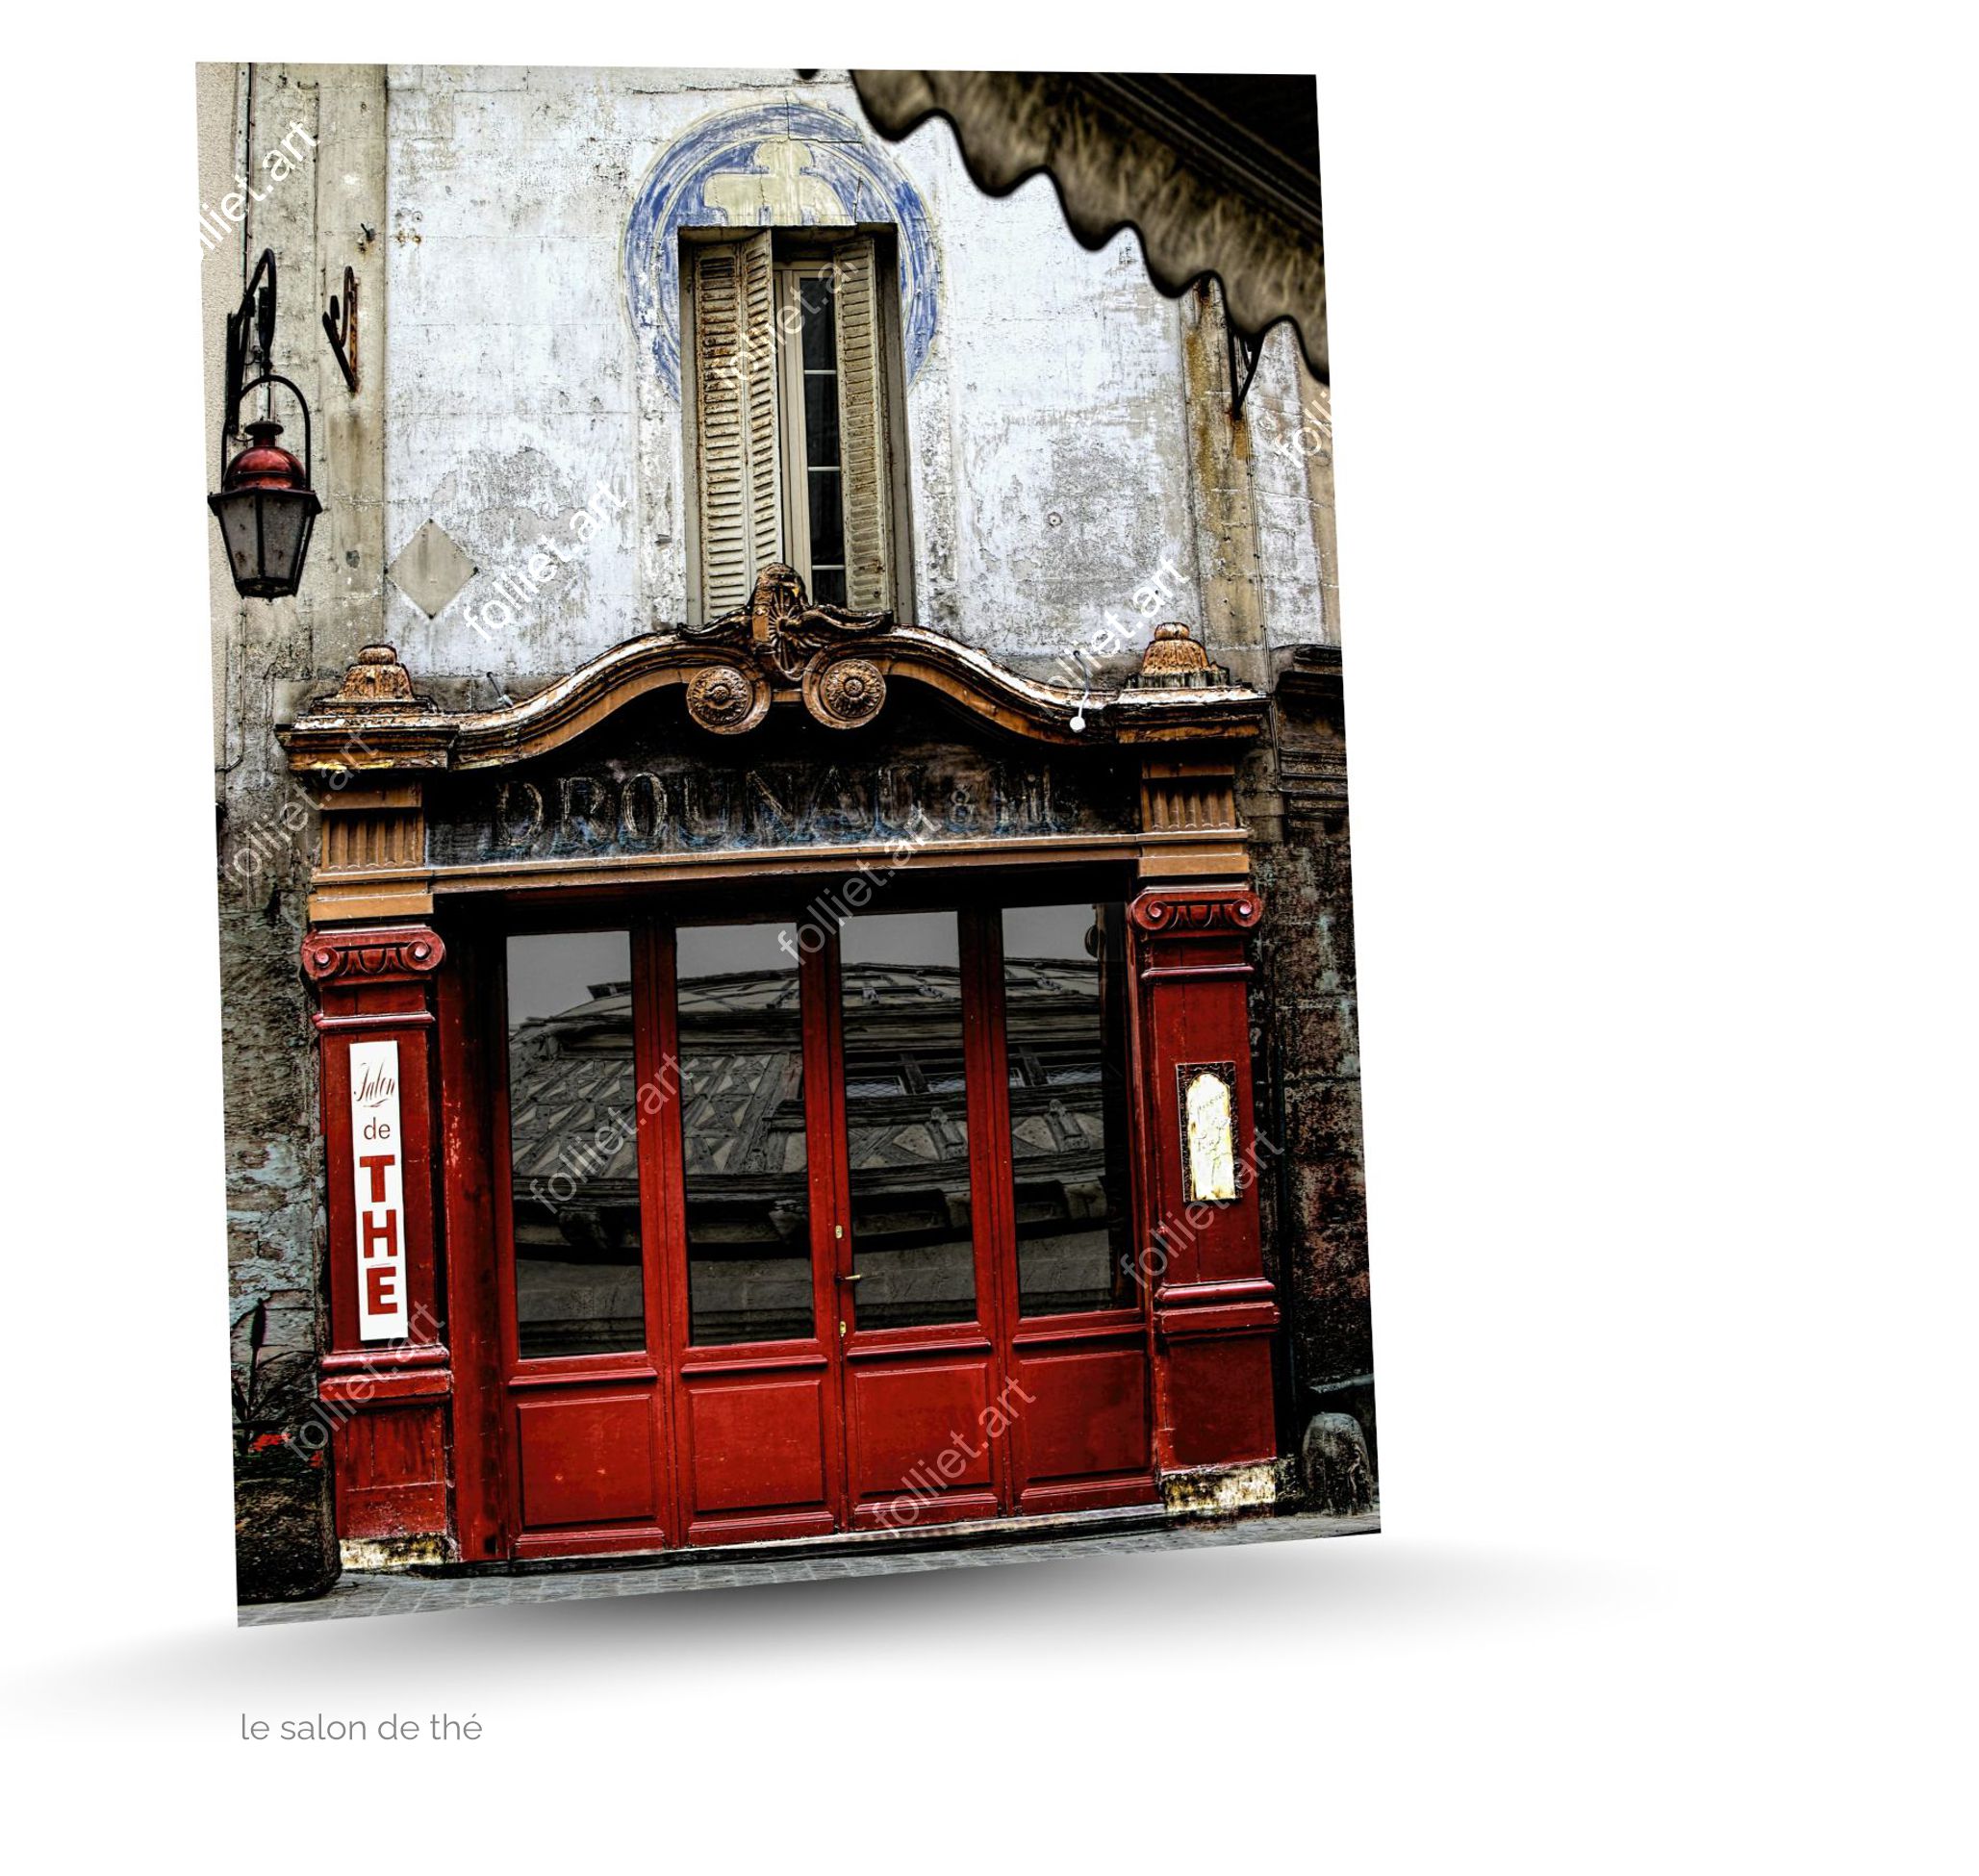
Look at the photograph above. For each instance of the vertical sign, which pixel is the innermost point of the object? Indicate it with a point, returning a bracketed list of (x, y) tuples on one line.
[(376, 1161)]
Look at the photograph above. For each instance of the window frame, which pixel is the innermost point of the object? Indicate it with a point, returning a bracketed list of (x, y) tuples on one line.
[(793, 250), (660, 1146)]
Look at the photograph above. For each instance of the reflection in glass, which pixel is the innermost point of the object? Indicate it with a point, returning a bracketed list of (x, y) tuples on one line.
[(742, 1107), (908, 1120), (1065, 1012), (572, 1144)]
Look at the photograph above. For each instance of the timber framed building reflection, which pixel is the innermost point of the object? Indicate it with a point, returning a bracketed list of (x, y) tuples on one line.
[(740, 1074)]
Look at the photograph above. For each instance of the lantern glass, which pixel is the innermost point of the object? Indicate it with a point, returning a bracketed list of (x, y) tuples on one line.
[(266, 532)]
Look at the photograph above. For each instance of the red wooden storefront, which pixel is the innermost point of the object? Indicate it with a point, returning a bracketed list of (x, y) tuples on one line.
[(724, 1149)]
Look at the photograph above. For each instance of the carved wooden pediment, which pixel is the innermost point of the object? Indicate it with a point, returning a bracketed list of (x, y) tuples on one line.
[(782, 648), (417, 802)]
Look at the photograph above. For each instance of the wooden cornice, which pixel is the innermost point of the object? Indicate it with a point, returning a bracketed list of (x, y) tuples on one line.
[(778, 649)]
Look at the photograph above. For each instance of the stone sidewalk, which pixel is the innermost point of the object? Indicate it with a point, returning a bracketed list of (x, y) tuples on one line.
[(404, 1593)]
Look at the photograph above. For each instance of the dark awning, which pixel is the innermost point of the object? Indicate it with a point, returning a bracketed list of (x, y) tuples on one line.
[(1218, 174)]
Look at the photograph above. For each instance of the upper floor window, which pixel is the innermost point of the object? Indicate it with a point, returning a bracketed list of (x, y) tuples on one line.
[(793, 345)]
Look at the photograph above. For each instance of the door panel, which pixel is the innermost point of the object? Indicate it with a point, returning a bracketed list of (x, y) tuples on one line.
[(921, 1446), (759, 1442), (1081, 1410), (1084, 1430), (920, 1197), (588, 1459), (587, 1419), (748, 1216)]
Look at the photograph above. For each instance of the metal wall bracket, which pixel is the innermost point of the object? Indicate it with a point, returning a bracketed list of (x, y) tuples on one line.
[(340, 325), (1244, 354), (250, 342), (250, 347)]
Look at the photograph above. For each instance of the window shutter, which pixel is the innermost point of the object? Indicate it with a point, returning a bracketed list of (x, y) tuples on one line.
[(735, 414), (868, 486)]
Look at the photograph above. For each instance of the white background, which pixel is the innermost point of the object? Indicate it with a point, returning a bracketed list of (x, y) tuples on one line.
[(1652, 341)]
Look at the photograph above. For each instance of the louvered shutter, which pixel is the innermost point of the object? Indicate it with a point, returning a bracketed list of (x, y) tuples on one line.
[(735, 411), (866, 485)]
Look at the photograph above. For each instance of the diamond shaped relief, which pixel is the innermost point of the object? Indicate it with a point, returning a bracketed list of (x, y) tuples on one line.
[(431, 569)]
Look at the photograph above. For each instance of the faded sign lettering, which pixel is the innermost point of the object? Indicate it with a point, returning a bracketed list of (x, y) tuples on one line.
[(658, 801)]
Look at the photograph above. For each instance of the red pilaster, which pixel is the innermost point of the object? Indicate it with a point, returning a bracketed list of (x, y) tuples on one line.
[(385, 1394), (1214, 1311)]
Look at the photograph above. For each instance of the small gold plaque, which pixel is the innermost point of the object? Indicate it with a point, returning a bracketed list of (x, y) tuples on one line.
[(1208, 1101)]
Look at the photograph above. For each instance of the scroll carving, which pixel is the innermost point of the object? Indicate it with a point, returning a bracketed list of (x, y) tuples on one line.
[(379, 954), (784, 627), (1192, 914)]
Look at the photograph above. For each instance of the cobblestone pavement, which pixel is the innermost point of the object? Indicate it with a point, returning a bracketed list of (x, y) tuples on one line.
[(362, 1592)]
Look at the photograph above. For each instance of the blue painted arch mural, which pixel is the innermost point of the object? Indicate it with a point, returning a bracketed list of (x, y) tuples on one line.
[(782, 164)]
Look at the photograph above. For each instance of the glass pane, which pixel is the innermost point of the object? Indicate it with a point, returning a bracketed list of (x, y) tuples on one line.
[(282, 518), (821, 418), (742, 1107), (574, 1144), (240, 525), (821, 326), (1065, 1011), (828, 527), (908, 1120)]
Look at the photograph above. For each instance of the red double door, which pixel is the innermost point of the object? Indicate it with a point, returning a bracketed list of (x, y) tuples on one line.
[(812, 1223)]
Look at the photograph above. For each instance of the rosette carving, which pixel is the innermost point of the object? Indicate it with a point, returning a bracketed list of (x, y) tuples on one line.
[(843, 692), (727, 699)]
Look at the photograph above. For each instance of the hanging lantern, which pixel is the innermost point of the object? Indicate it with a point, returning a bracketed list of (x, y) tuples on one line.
[(265, 507)]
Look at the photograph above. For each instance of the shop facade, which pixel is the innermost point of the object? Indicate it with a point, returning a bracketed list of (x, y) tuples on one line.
[(784, 880), (898, 1166)]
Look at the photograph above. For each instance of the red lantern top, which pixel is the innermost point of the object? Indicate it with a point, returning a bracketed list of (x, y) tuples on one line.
[(264, 463)]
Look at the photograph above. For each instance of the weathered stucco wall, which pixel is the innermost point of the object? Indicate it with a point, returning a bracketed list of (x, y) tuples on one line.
[(1056, 463), (326, 125)]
